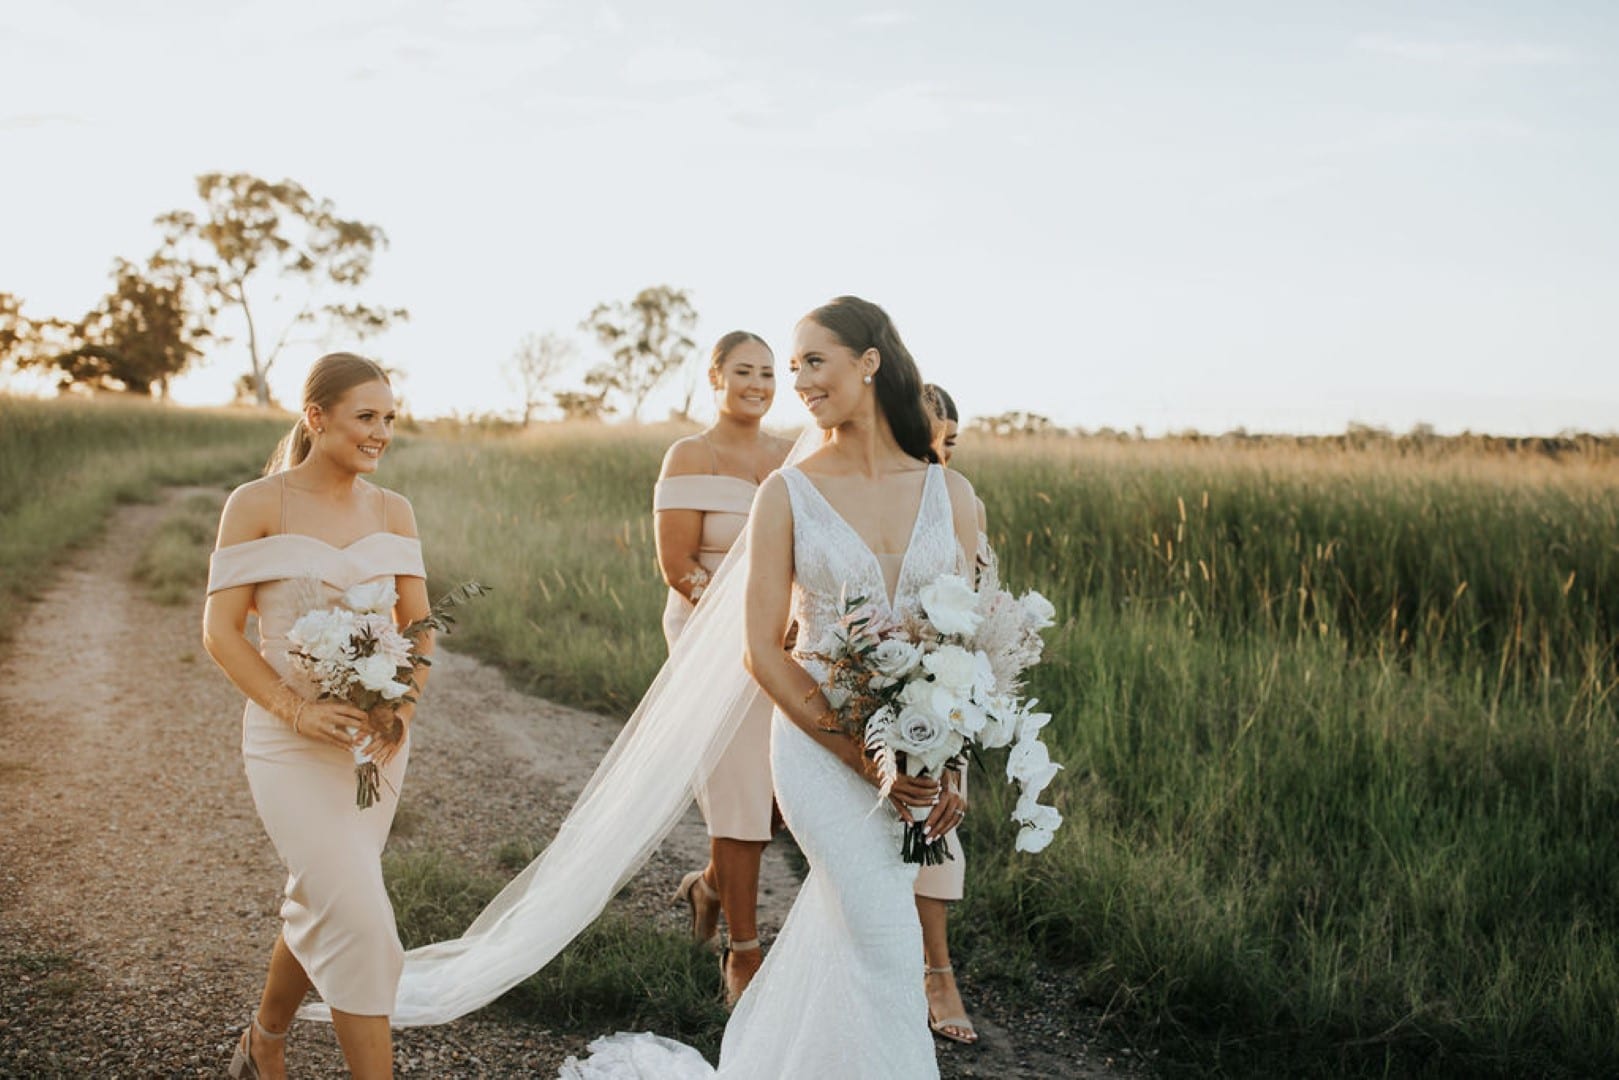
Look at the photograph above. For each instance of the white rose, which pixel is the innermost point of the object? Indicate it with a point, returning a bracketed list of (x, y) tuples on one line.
[(324, 634), (924, 737), (372, 596), (950, 603), (376, 672), (951, 666), (1038, 610), (895, 659), (1033, 840)]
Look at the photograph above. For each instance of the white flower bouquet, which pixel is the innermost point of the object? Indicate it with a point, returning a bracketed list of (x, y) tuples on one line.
[(920, 690), (352, 651)]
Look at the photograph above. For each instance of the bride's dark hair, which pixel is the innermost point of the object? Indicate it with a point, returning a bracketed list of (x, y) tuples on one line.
[(861, 325)]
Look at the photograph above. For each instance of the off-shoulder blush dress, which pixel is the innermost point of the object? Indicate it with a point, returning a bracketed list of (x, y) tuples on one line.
[(738, 797), (336, 916)]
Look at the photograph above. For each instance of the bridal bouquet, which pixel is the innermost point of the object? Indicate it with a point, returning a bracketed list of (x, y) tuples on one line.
[(920, 689), (353, 652)]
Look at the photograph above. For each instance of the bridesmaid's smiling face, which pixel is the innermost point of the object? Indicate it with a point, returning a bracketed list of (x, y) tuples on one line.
[(356, 430), (944, 440), (745, 383), (829, 376)]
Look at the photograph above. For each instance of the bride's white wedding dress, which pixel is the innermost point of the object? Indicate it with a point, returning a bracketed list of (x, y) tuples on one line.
[(840, 993)]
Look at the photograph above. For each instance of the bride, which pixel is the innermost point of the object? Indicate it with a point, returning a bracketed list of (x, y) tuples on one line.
[(862, 508)]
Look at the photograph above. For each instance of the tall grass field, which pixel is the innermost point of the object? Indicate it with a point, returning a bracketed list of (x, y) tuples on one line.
[(1342, 785), (65, 464)]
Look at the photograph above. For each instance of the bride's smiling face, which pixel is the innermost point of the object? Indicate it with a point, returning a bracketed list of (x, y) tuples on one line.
[(355, 431), (828, 375)]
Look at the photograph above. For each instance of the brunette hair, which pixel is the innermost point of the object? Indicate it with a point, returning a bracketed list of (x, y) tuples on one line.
[(332, 376), (723, 347), (942, 404), (861, 325)]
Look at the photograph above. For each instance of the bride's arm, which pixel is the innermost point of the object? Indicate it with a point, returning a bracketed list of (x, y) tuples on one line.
[(795, 692), (769, 607)]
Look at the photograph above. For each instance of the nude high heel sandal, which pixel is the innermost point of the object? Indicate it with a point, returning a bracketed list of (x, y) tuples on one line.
[(750, 945), (705, 905), (955, 1028), (242, 1065)]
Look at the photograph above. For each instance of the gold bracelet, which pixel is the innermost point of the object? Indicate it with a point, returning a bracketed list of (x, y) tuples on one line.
[(297, 715)]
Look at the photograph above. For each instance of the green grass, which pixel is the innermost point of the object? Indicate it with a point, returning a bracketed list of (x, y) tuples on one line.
[(64, 465), (174, 563), (1339, 724), (1340, 728), (617, 975), (560, 525)]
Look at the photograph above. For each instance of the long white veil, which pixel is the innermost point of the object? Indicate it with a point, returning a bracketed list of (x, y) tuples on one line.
[(637, 794)]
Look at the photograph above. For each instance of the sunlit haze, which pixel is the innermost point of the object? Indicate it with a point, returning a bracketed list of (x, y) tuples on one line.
[(1283, 216)]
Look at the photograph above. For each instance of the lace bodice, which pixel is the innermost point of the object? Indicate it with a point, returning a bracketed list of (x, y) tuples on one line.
[(831, 563)]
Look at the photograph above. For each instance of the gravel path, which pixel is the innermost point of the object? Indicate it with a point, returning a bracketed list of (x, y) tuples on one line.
[(138, 891)]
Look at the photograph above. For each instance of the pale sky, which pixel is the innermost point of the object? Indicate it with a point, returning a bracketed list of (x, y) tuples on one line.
[(1286, 216)]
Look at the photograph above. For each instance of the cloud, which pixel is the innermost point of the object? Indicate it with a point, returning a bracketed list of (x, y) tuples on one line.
[(661, 64), (608, 20), (884, 18), (24, 121), (1472, 54)]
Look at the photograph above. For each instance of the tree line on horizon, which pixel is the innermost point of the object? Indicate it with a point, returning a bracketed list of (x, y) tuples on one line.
[(250, 237)]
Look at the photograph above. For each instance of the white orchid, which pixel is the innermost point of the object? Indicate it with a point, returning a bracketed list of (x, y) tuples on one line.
[(1030, 722), (950, 604), (969, 719), (1030, 812), (1033, 840)]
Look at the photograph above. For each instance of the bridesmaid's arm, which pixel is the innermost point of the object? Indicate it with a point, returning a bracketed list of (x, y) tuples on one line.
[(224, 635), (413, 604), (966, 515), (679, 533)]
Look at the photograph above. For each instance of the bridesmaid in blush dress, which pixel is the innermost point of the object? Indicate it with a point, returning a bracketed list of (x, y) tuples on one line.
[(299, 537), (701, 503), (941, 884)]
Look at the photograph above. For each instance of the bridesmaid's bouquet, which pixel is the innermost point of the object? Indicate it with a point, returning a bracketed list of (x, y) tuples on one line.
[(920, 689), (353, 652)]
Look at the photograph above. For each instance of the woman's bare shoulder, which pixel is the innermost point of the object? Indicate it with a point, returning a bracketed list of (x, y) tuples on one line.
[(689, 456), (251, 512)]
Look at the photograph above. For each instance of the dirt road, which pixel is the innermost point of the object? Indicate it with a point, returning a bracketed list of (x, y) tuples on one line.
[(138, 892)]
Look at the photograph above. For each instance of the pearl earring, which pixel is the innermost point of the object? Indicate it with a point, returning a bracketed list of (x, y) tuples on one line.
[(868, 380)]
